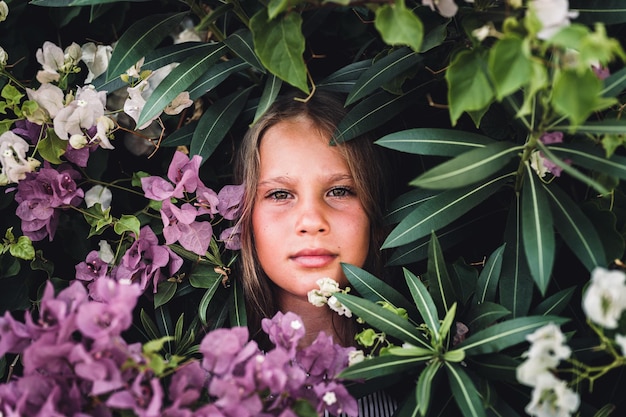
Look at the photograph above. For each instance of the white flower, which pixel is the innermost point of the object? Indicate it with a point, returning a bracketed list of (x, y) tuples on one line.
[(546, 350), (180, 102), (81, 113), (330, 398), (327, 287), (4, 57), (78, 141), (13, 158), (106, 252), (355, 356), (96, 58), (530, 370), (135, 70), (54, 60), (446, 8), (187, 35), (104, 126), (552, 398), (536, 163), (621, 341), (335, 305), (605, 298), (296, 324), (99, 194), (4, 11), (553, 15)]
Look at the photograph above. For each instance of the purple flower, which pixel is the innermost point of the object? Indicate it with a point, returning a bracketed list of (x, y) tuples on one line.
[(222, 349), (99, 366), (180, 225), (29, 130), (187, 384), (551, 138), (206, 200), (144, 259), (93, 267), (184, 172), (323, 359), (156, 188), (230, 197), (231, 237), (336, 399), (14, 335), (144, 396), (285, 330)]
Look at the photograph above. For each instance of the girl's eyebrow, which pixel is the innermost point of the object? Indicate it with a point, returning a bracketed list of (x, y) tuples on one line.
[(286, 180)]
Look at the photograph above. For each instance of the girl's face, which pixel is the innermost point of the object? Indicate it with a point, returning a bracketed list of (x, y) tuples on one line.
[(306, 218)]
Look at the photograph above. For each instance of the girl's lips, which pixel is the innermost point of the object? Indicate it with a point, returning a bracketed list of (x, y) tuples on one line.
[(313, 258)]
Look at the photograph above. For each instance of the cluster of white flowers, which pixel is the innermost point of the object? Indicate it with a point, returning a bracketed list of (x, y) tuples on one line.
[(325, 296), (605, 298), (550, 396), (15, 163)]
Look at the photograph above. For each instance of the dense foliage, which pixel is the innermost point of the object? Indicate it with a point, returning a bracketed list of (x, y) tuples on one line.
[(502, 123)]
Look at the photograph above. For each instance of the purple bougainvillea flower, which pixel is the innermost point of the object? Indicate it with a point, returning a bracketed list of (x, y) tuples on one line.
[(335, 399), (231, 237), (552, 137), (285, 330), (220, 347), (184, 172), (14, 335), (99, 367), (157, 188), (92, 268), (230, 197), (187, 384), (206, 200), (144, 396), (179, 225)]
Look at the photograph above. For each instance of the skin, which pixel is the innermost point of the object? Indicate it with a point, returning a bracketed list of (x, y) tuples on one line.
[(306, 218)]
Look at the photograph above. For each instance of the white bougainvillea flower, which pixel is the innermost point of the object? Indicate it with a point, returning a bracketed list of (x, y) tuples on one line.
[(327, 287), (446, 8), (553, 15), (54, 60), (106, 252), (336, 306), (50, 98), (181, 102), (104, 126), (13, 158), (78, 141), (96, 58), (99, 194), (552, 398), (4, 57), (135, 70), (139, 94), (81, 113), (605, 298), (4, 11)]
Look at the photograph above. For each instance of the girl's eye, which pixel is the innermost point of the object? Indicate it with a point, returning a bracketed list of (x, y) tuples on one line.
[(341, 192), (278, 195)]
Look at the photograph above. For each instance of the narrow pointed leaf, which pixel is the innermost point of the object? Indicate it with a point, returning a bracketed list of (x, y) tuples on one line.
[(384, 320), (614, 84), (487, 283), (484, 314), (241, 44), (516, 283), (237, 310), (382, 365), (424, 384), (374, 289), (434, 141), (165, 292), (343, 79), (407, 202), (465, 393), (214, 77), (423, 301), (592, 158), (537, 231), (149, 325), (370, 113), (270, 92), (439, 284), (216, 122), (139, 39), (442, 210), (383, 71), (205, 300), (556, 303), (505, 334), (576, 229), (605, 11), (178, 81), (469, 167), (71, 3), (180, 137)]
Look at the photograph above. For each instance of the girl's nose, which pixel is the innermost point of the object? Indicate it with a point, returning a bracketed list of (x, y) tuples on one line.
[(311, 218)]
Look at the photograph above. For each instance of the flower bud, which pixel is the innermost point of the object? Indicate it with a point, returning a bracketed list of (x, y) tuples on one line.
[(4, 57), (4, 11), (78, 141)]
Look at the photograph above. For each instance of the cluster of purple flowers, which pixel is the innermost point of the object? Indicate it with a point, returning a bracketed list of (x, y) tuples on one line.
[(76, 363), (41, 196), (180, 207)]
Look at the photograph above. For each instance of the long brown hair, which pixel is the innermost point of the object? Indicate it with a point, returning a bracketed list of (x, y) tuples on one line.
[(325, 110)]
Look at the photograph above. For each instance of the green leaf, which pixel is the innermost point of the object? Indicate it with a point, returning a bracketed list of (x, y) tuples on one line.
[(344, 78), (76, 3), (398, 25), (127, 223), (424, 384), (23, 248), (469, 167), (442, 210), (434, 141), (465, 393), (593, 158), (140, 39), (205, 300), (270, 92), (241, 43), (423, 301), (148, 325), (205, 276), (576, 229), (372, 112), (279, 44), (214, 77), (484, 314), (510, 65), (382, 365), (216, 122), (373, 289), (405, 203), (383, 71), (51, 147), (439, 284), (237, 310), (537, 231), (516, 283), (487, 283), (575, 103), (177, 81), (469, 88), (165, 292), (614, 84), (505, 334), (382, 319), (154, 346), (607, 12), (556, 303)]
